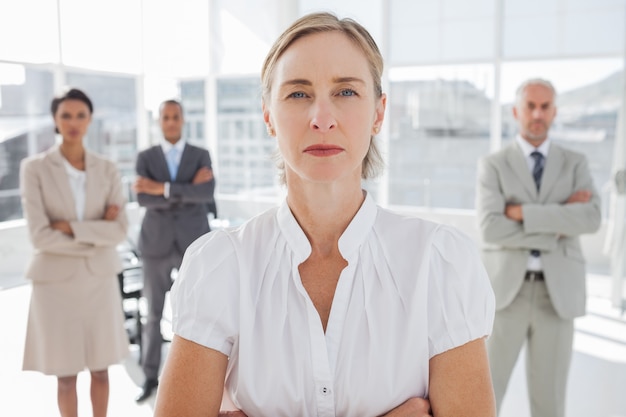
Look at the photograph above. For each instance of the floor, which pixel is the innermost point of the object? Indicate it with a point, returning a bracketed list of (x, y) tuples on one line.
[(597, 386)]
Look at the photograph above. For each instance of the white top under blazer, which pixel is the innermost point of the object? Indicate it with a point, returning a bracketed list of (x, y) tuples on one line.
[(412, 289)]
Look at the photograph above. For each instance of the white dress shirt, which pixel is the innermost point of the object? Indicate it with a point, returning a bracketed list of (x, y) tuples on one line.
[(412, 289), (77, 180), (534, 262)]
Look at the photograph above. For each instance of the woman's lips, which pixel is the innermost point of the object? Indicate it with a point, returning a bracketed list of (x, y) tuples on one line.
[(323, 150)]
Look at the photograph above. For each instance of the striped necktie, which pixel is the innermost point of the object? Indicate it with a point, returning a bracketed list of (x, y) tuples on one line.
[(538, 168), (537, 173)]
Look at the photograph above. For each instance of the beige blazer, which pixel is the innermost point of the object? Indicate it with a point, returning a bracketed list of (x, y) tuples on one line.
[(47, 197), (549, 225)]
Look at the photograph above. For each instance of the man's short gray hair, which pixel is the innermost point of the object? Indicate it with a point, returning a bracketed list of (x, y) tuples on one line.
[(519, 94)]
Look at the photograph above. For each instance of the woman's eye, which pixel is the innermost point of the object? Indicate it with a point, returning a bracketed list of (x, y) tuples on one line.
[(297, 94), (347, 92)]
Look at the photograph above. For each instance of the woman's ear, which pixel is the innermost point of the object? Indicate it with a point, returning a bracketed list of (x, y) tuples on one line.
[(379, 113), (267, 119)]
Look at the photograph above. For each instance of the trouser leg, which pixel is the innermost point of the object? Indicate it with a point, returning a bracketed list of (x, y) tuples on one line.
[(157, 282), (510, 330), (548, 356)]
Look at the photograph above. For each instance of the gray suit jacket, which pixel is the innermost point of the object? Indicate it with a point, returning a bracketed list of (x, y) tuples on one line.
[(173, 223), (549, 225)]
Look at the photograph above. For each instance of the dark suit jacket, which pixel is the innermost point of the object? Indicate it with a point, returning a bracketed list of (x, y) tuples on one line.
[(173, 223)]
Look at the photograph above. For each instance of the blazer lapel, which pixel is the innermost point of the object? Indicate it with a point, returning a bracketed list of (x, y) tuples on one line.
[(518, 164), (551, 171), (62, 182), (93, 187)]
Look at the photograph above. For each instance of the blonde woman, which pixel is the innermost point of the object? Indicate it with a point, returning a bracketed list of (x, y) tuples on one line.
[(329, 305)]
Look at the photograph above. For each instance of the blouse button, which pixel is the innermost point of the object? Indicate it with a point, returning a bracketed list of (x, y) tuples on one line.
[(325, 391)]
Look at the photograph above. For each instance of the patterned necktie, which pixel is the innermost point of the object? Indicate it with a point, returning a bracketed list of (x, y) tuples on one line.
[(537, 172), (172, 162), (538, 168)]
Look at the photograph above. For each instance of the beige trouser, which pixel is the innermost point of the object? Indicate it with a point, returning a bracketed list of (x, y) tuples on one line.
[(531, 318)]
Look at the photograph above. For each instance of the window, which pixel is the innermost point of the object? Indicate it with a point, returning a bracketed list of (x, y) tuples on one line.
[(439, 126), (26, 127)]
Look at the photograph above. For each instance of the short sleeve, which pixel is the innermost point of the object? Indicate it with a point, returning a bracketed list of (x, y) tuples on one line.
[(205, 295), (461, 303)]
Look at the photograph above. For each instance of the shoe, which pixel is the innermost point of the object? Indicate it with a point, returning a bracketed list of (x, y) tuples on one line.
[(146, 391)]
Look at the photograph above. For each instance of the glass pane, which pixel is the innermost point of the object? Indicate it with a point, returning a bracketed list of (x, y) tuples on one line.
[(176, 37), (594, 32), (440, 119), (102, 35), (113, 130), (588, 103), (192, 98), (26, 127), (431, 32), (243, 166), (29, 31), (463, 9), (552, 28)]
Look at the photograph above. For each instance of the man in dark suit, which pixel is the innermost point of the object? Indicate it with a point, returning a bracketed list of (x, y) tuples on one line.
[(175, 184), (534, 200)]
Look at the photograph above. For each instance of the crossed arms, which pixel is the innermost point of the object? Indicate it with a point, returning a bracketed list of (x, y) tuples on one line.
[(192, 384)]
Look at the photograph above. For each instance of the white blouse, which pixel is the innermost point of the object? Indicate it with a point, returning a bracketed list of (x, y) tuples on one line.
[(77, 180), (412, 289)]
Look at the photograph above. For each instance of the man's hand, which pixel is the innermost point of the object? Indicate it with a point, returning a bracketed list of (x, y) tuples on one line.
[(514, 212), (148, 186), (413, 407), (204, 174), (580, 196), (62, 226), (111, 212)]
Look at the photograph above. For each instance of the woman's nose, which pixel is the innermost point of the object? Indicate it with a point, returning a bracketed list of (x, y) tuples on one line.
[(322, 118)]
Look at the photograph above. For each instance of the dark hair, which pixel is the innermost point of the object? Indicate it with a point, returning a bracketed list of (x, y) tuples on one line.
[(71, 94), (176, 102)]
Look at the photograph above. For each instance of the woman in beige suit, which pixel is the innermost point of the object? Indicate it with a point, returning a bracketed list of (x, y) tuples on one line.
[(73, 204)]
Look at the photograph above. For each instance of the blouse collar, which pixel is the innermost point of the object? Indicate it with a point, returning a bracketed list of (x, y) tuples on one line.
[(350, 241)]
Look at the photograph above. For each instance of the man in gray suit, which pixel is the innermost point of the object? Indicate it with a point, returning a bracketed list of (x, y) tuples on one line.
[(534, 199), (175, 184)]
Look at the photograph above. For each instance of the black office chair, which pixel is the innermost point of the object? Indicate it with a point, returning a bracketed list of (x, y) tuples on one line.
[(131, 286)]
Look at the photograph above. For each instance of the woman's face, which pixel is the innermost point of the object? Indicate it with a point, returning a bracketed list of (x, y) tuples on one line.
[(323, 108), (72, 120)]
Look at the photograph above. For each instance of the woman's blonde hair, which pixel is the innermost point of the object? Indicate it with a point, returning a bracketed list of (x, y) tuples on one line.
[(320, 23)]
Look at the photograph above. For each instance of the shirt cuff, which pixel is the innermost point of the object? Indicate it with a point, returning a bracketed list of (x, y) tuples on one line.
[(166, 190)]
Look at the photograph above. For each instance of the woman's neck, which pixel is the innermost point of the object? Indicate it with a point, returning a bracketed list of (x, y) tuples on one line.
[(74, 154), (324, 211)]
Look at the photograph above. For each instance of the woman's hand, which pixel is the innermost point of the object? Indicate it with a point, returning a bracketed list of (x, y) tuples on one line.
[(413, 407), (237, 413), (111, 212), (62, 226)]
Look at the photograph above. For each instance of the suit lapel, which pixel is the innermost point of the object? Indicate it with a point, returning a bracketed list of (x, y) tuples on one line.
[(518, 164), (159, 156), (62, 182), (93, 187), (551, 171)]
